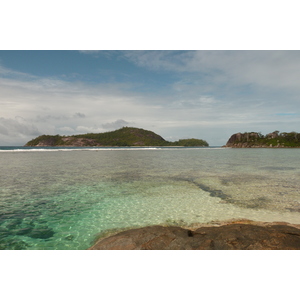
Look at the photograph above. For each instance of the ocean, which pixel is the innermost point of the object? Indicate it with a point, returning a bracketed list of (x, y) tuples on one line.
[(63, 198)]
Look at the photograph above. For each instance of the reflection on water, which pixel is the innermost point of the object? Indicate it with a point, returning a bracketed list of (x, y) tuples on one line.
[(63, 199)]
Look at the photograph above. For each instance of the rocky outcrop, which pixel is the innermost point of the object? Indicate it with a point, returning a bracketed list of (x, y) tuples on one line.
[(232, 236), (69, 141), (243, 140), (273, 135), (257, 140)]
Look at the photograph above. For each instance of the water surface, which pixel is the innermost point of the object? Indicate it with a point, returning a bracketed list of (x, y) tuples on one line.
[(61, 198)]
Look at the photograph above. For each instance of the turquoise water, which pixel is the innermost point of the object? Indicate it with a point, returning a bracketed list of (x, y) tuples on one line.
[(62, 198)]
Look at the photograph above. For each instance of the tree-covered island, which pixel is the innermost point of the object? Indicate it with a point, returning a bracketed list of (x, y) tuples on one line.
[(126, 136), (271, 140)]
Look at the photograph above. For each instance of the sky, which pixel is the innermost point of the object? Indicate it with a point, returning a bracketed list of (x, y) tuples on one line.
[(201, 94)]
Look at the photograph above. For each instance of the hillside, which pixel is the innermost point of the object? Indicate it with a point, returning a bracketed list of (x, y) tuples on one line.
[(257, 140), (126, 136)]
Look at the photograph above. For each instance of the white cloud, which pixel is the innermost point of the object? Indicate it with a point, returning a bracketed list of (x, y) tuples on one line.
[(88, 129), (277, 69), (66, 129), (79, 115), (202, 102), (17, 127), (209, 94), (116, 124)]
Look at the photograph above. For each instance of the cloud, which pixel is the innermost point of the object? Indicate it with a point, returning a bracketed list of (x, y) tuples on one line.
[(277, 69), (59, 117), (9, 73), (202, 102), (47, 118), (161, 60), (286, 114), (66, 129), (79, 115), (88, 129), (17, 127), (203, 94), (115, 125)]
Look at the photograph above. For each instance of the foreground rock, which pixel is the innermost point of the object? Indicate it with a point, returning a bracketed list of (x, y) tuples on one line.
[(234, 236)]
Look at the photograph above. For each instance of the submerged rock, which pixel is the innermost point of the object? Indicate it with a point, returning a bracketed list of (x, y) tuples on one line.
[(233, 236), (41, 233), (24, 231)]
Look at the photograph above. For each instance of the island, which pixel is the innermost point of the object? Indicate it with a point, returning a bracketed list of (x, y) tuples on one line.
[(271, 140), (123, 137)]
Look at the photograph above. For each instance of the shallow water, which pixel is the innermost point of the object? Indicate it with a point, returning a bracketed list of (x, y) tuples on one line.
[(63, 198)]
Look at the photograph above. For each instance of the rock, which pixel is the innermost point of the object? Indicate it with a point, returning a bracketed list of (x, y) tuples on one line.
[(24, 231), (258, 140), (272, 135), (233, 236), (41, 233), (241, 140)]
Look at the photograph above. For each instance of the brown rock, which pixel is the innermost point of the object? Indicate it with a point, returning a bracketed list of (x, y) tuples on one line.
[(233, 236), (241, 140)]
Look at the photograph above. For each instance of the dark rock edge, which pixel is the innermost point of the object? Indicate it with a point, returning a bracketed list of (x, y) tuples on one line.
[(233, 235)]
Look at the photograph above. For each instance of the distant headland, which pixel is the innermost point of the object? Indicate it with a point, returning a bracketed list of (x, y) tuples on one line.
[(126, 136), (270, 140)]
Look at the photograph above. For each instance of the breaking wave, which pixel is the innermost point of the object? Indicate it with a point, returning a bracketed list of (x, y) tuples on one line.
[(57, 149)]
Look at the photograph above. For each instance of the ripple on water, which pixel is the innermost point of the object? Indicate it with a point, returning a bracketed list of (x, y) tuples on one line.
[(64, 200)]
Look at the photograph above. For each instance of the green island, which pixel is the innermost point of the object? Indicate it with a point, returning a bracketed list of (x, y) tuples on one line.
[(126, 136), (271, 140)]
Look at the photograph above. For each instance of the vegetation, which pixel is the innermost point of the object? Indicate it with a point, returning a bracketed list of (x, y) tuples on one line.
[(51, 140), (126, 136), (274, 139), (190, 143)]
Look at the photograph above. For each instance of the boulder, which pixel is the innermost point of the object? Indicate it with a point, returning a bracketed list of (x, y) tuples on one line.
[(241, 140), (233, 236)]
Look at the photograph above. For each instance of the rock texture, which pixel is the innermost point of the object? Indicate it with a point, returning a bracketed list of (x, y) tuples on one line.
[(241, 140), (233, 236)]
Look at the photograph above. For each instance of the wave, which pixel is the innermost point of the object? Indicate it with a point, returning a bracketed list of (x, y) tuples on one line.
[(68, 149)]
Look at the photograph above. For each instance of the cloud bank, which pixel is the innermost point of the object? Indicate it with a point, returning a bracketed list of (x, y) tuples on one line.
[(178, 94)]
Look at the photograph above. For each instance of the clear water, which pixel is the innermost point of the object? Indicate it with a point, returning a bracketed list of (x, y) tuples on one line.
[(63, 198)]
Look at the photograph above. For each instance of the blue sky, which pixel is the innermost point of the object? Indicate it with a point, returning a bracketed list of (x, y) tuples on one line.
[(177, 94)]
